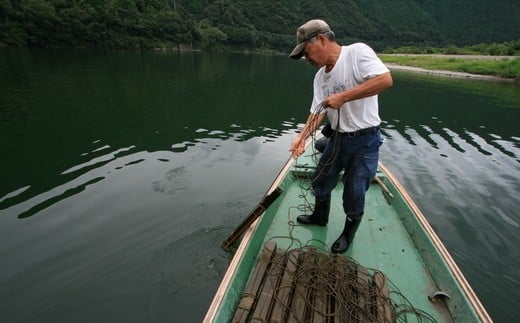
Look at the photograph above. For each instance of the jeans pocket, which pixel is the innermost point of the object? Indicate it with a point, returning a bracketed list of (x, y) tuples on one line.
[(370, 160)]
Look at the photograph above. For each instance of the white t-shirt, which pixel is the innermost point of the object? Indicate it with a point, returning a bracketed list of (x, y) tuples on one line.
[(356, 64)]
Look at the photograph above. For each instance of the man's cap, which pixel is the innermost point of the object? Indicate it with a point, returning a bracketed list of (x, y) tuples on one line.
[(305, 32)]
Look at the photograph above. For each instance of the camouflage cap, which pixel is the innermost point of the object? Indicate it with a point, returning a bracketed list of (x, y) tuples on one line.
[(305, 32)]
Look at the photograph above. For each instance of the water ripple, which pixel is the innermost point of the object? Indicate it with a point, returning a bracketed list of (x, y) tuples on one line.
[(29, 200), (96, 162), (13, 194), (56, 196)]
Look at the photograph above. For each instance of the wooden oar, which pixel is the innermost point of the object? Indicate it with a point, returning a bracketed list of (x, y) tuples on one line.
[(257, 211), (269, 197)]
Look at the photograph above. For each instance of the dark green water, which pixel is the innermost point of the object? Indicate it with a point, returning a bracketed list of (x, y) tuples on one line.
[(122, 172)]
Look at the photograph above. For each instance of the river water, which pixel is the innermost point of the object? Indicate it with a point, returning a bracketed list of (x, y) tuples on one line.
[(123, 171)]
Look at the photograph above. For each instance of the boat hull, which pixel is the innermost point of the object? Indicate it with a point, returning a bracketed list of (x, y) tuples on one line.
[(394, 237)]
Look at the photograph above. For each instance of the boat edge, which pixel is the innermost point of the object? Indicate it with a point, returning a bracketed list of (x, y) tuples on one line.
[(466, 288), (237, 257)]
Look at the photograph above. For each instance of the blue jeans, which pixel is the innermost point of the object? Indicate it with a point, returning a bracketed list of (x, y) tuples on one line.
[(358, 157), (321, 143)]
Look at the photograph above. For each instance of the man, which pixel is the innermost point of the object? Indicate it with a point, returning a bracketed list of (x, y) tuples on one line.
[(345, 90)]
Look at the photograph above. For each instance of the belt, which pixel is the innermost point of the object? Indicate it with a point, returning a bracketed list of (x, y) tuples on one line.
[(362, 132)]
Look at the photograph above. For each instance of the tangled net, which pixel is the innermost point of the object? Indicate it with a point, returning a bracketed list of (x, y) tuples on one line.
[(307, 285)]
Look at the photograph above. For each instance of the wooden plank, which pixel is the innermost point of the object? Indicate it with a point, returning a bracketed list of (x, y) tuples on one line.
[(298, 307), (302, 174), (266, 294), (363, 294), (320, 304), (333, 305), (384, 309), (255, 281), (272, 294), (285, 290)]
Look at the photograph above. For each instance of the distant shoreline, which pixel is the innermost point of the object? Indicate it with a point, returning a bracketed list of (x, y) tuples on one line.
[(448, 73), (497, 68)]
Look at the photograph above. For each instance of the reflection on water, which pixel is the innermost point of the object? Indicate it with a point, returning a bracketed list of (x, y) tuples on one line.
[(124, 171)]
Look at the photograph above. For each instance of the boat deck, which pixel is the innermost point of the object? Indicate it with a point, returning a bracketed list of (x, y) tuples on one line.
[(394, 239)]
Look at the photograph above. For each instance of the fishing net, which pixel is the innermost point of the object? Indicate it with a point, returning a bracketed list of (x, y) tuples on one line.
[(307, 285)]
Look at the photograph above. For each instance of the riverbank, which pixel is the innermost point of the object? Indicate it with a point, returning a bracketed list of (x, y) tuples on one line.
[(449, 73), (493, 68)]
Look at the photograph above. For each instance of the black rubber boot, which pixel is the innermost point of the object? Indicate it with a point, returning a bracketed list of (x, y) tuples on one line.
[(320, 215), (345, 239)]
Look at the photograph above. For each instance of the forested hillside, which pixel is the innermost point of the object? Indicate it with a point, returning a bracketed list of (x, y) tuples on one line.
[(253, 24)]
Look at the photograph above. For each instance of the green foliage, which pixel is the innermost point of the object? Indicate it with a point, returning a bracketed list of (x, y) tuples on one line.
[(511, 48), (504, 68), (211, 37), (507, 67), (408, 25)]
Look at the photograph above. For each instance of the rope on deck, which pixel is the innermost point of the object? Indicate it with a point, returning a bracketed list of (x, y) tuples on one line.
[(306, 285)]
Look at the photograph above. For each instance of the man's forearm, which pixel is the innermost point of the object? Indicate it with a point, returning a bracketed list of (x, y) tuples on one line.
[(313, 122), (368, 88)]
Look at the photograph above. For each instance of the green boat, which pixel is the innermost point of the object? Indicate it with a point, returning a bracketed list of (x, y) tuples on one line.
[(396, 270)]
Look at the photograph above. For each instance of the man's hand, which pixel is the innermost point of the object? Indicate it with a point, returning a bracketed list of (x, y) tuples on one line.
[(334, 101), (297, 147)]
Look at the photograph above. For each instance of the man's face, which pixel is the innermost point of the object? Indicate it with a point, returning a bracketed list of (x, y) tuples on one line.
[(312, 51)]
